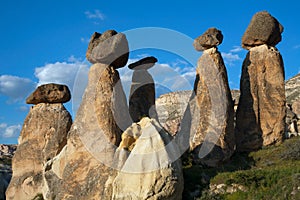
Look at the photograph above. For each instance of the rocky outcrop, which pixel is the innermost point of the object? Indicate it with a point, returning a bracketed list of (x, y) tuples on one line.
[(263, 29), (50, 93), (262, 87), (170, 109), (6, 154), (149, 171), (292, 89), (142, 90), (43, 136), (109, 48)]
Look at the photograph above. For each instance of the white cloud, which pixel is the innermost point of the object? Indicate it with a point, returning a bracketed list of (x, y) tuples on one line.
[(16, 88), (12, 131), (94, 15), (3, 125), (9, 131), (236, 49), (61, 72), (230, 58)]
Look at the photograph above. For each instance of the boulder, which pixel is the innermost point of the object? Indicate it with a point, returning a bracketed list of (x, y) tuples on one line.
[(50, 93), (81, 170), (208, 119), (210, 38), (258, 123), (145, 63), (263, 29), (142, 91), (109, 48), (43, 136), (149, 172)]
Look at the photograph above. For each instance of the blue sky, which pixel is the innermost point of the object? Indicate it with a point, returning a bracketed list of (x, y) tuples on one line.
[(45, 41)]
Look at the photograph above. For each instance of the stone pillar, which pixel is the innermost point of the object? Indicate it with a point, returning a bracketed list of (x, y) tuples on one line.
[(260, 118)]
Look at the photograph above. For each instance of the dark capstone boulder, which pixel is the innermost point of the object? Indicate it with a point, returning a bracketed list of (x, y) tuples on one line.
[(50, 93), (109, 48), (211, 38), (263, 29)]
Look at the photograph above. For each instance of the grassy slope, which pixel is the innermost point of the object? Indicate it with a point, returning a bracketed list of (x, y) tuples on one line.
[(271, 173)]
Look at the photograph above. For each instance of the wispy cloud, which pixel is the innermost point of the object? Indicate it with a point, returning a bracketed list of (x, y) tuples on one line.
[(230, 58), (236, 49), (94, 15), (85, 40), (9, 131), (16, 88), (297, 46)]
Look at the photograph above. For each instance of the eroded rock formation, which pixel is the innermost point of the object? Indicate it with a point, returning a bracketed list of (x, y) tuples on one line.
[(43, 136), (142, 91), (81, 170), (210, 108), (261, 110)]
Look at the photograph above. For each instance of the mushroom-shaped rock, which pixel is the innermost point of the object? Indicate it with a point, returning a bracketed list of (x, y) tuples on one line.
[(50, 93), (142, 91), (211, 38), (109, 48), (145, 63), (263, 29)]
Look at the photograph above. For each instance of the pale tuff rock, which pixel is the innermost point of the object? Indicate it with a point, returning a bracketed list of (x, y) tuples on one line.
[(109, 48), (292, 90), (149, 171), (262, 90), (50, 93), (81, 170), (209, 116), (170, 109), (263, 29), (43, 136), (142, 90)]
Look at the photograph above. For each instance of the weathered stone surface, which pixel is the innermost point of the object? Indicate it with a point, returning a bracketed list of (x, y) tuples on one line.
[(211, 38), (81, 170), (142, 96), (149, 172), (209, 116), (170, 109), (292, 90), (43, 136), (6, 154), (296, 108), (291, 123), (109, 48), (261, 110), (263, 29), (50, 93), (145, 63)]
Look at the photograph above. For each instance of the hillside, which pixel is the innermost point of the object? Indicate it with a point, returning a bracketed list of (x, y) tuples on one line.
[(271, 173)]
